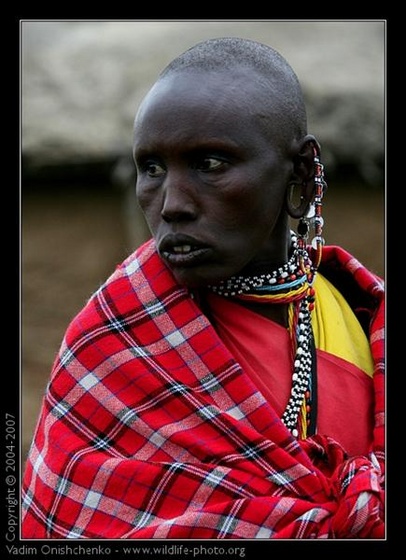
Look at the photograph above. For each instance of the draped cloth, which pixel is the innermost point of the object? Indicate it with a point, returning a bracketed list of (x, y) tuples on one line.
[(149, 427), (344, 396)]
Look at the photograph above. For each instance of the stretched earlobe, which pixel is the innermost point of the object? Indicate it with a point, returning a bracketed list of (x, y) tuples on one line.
[(295, 191)]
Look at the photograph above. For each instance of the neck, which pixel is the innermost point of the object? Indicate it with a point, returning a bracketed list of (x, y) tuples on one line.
[(274, 256), (289, 283)]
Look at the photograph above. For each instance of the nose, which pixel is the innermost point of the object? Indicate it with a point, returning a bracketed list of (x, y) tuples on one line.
[(179, 204)]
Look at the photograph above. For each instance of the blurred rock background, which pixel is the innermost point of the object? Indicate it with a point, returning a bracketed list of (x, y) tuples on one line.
[(81, 83)]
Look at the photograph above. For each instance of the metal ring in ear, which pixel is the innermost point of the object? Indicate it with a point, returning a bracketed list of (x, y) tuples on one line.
[(296, 210)]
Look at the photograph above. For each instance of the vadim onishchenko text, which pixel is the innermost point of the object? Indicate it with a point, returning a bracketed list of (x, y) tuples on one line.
[(154, 551)]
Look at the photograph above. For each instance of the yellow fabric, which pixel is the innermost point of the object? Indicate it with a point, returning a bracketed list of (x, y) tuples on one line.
[(336, 328)]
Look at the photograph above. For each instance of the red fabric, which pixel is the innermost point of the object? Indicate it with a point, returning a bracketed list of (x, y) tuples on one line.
[(150, 429), (345, 393)]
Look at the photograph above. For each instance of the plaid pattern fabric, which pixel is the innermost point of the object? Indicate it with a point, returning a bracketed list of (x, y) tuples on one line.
[(150, 429)]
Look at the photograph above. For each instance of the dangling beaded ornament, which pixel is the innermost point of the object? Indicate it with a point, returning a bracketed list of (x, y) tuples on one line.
[(292, 284), (313, 216)]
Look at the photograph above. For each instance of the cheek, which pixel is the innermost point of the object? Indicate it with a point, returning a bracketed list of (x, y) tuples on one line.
[(143, 195), (252, 210), (242, 229), (257, 192), (149, 203)]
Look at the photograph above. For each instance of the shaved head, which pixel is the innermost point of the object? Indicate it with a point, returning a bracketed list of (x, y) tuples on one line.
[(282, 97)]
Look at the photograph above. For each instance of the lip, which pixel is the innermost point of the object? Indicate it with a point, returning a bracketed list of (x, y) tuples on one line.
[(180, 250)]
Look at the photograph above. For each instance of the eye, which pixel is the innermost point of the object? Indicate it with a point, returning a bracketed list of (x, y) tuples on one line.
[(210, 164), (152, 168)]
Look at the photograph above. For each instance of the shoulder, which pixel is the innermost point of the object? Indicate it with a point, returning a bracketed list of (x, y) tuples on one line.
[(363, 290), (348, 274)]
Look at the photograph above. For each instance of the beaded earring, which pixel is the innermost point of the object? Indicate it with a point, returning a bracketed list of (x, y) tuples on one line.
[(313, 217), (301, 412)]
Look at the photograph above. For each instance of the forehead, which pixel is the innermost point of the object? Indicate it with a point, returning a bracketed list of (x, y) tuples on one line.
[(205, 100)]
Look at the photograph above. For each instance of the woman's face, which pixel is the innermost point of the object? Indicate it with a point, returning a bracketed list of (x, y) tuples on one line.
[(210, 180)]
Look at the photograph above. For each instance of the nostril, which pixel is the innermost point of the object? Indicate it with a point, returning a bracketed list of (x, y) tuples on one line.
[(171, 215), (166, 218)]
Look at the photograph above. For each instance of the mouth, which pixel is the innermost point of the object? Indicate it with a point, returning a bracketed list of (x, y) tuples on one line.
[(183, 250)]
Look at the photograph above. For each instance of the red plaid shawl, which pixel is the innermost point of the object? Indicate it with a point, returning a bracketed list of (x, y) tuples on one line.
[(150, 429)]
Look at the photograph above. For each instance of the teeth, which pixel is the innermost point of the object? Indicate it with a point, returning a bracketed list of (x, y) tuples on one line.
[(182, 249)]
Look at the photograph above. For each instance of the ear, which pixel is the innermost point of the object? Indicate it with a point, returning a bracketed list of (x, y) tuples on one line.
[(301, 184)]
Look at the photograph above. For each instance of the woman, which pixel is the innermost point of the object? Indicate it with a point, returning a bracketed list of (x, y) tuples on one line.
[(227, 380)]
